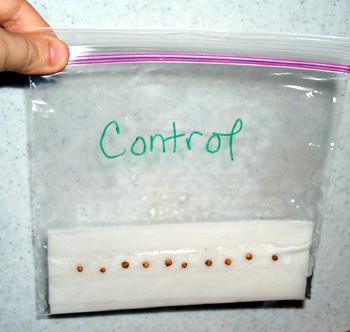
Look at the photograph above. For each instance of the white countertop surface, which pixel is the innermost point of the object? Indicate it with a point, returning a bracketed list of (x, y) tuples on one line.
[(328, 310)]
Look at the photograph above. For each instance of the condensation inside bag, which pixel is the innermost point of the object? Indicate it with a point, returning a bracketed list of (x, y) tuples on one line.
[(169, 143), (279, 154)]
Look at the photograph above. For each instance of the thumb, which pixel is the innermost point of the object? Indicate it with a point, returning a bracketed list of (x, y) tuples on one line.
[(30, 53)]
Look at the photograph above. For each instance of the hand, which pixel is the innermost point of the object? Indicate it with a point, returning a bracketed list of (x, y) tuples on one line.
[(27, 52)]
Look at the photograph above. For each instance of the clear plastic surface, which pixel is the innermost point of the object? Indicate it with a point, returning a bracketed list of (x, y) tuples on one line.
[(165, 143)]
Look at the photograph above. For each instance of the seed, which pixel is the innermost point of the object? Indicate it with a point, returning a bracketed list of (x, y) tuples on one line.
[(275, 258), (80, 268), (102, 270), (228, 261), (249, 256), (208, 262), (125, 265), (145, 265), (184, 265), (168, 262)]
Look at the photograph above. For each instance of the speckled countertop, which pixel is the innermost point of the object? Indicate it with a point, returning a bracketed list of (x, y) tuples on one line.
[(328, 310)]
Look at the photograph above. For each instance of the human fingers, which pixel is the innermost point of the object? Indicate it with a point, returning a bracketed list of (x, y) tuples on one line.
[(25, 52), (30, 53), (19, 16)]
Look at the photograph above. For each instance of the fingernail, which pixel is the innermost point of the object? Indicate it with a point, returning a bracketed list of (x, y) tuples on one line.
[(58, 54)]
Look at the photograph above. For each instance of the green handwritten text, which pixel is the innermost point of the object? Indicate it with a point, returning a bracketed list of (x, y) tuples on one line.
[(141, 145)]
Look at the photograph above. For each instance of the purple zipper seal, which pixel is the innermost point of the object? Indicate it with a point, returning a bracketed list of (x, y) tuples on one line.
[(118, 58)]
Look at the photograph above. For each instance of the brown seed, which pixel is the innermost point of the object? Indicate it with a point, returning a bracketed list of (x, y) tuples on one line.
[(145, 265), (208, 262), (249, 256), (80, 268), (184, 265), (228, 261), (168, 262), (275, 258), (125, 265), (102, 270)]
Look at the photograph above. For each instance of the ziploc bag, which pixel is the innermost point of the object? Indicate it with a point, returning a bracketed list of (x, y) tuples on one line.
[(176, 168)]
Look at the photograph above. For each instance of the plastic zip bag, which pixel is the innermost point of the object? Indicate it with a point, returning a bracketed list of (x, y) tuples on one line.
[(166, 164)]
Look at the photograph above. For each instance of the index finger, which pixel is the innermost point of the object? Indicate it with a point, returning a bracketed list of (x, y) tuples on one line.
[(19, 16)]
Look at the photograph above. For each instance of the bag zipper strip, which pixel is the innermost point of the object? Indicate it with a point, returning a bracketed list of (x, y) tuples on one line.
[(115, 58)]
